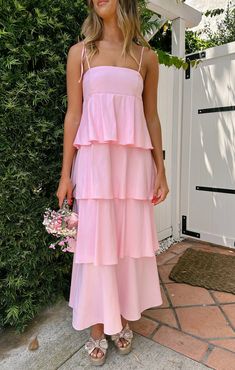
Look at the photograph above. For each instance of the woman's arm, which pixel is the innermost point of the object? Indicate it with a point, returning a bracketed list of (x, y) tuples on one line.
[(150, 93), (72, 120), (74, 106)]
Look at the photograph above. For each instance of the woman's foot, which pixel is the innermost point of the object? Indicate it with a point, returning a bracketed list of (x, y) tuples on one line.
[(123, 339), (97, 331), (122, 342)]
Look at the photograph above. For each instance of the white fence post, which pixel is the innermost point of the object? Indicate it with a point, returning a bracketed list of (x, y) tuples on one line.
[(178, 49)]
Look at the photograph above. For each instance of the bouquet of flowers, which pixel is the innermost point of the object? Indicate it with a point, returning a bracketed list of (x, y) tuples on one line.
[(63, 225)]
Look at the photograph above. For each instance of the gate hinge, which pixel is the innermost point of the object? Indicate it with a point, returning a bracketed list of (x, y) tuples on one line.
[(196, 56), (188, 232)]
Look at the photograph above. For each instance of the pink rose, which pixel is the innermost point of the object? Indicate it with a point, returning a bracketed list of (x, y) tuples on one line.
[(72, 220)]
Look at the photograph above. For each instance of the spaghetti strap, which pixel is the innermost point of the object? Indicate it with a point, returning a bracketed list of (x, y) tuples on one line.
[(87, 59), (82, 55), (141, 57)]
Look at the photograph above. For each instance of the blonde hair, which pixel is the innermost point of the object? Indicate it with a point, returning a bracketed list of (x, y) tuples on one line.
[(128, 21)]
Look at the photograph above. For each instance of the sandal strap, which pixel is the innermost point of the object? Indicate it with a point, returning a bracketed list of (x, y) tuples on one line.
[(100, 343), (125, 333)]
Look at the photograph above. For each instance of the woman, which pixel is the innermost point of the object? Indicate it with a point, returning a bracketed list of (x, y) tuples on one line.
[(113, 144)]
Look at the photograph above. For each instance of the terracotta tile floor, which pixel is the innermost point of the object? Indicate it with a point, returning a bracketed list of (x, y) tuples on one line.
[(194, 321)]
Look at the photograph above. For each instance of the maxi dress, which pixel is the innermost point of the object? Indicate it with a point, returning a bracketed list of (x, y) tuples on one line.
[(114, 269)]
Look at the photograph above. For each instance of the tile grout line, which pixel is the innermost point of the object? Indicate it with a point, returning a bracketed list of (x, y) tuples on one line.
[(196, 305), (171, 305), (219, 305), (146, 337), (160, 322), (207, 353), (205, 340), (187, 356), (155, 331)]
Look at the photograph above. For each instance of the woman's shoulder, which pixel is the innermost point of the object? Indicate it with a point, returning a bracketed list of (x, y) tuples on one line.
[(74, 58), (148, 52), (151, 56), (76, 50)]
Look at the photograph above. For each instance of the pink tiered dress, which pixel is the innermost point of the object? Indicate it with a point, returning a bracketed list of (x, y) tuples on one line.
[(114, 268)]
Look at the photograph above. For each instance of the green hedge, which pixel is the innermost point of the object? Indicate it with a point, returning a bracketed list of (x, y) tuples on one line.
[(34, 40)]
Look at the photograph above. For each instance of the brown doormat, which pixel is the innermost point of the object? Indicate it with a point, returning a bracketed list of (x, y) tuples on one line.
[(205, 269)]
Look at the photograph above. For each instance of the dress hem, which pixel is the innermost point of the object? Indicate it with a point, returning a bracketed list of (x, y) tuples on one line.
[(136, 318)]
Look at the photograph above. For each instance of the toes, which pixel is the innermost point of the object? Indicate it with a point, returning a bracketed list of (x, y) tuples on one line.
[(97, 353), (100, 354), (125, 343), (93, 353), (122, 342)]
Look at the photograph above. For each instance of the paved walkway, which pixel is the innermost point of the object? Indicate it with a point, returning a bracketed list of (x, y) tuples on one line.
[(61, 347), (194, 328)]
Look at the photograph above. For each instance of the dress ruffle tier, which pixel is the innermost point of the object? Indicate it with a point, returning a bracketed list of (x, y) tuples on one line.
[(101, 294), (110, 229), (107, 171), (113, 118)]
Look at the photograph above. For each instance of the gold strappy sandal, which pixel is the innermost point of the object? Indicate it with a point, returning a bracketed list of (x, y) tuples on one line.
[(100, 343), (127, 334)]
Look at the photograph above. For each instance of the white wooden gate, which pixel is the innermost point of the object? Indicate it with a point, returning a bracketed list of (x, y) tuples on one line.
[(208, 149)]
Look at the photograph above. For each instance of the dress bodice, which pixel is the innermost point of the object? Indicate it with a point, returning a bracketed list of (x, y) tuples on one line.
[(112, 106), (112, 80)]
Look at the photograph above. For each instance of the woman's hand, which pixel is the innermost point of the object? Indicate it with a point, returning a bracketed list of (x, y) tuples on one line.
[(160, 189), (65, 188)]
